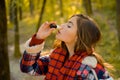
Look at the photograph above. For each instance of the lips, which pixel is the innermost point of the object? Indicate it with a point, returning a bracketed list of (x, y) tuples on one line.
[(58, 31)]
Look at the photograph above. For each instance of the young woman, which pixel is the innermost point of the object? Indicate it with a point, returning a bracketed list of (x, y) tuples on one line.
[(73, 57)]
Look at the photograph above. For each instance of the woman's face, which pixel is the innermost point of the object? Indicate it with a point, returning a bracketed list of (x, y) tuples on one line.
[(68, 31)]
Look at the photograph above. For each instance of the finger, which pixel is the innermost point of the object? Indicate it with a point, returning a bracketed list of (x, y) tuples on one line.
[(52, 22), (51, 30), (48, 25), (44, 24)]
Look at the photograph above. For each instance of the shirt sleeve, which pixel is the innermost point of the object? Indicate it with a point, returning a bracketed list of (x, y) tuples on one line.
[(31, 61), (34, 41), (34, 65), (86, 72), (34, 45)]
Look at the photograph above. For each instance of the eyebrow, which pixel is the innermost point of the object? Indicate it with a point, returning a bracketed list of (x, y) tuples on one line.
[(70, 22)]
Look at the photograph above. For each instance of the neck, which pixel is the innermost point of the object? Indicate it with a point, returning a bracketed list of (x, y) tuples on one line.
[(70, 47)]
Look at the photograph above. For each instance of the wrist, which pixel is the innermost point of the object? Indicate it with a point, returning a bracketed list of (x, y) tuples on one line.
[(38, 36), (35, 40)]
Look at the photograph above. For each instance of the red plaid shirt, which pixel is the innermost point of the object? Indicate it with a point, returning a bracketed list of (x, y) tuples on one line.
[(56, 68)]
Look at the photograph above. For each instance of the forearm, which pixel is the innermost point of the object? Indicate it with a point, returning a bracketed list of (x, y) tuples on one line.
[(31, 61), (27, 61), (34, 65)]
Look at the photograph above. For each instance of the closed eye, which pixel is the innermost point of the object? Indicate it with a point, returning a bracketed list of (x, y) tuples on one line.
[(71, 23), (69, 26)]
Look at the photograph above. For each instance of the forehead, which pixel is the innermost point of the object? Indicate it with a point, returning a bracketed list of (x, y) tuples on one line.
[(73, 20)]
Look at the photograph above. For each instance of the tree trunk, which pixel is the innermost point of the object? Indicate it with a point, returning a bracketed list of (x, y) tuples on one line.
[(17, 53), (118, 18), (88, 7), (41, 14), (4, 60), (61, 8), (38, 3), (52, 9), (20, 9), (11, 14), (31, 5), (20, 13)]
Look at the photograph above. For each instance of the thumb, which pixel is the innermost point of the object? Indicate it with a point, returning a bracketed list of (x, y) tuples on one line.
[(51, 30)]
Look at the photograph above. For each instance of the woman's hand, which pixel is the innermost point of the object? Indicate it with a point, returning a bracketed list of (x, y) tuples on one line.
[(44, 31)]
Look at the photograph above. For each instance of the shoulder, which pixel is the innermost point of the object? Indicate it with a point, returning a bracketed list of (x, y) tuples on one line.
[(90, 61), (87, 64), (90, 68)]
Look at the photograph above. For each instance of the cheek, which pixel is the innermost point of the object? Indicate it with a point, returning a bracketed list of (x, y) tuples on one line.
[(63, 36), (67, 36)]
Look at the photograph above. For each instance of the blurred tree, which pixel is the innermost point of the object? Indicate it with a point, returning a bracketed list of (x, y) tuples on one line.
[(41, 14), (17, 53), (61, 8), (11, 10), (98, 4), (118, 18), (31, 5), (38, 3), (4, 61), (20, 9), (52, 9), (88, 7)]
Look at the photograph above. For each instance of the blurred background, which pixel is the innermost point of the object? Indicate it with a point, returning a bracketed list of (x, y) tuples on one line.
[(20, 19)]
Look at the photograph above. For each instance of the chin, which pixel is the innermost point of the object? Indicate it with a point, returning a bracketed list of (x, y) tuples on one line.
[(58, 37)]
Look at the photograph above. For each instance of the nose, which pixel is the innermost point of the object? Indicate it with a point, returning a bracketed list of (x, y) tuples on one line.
[(59, 27)]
